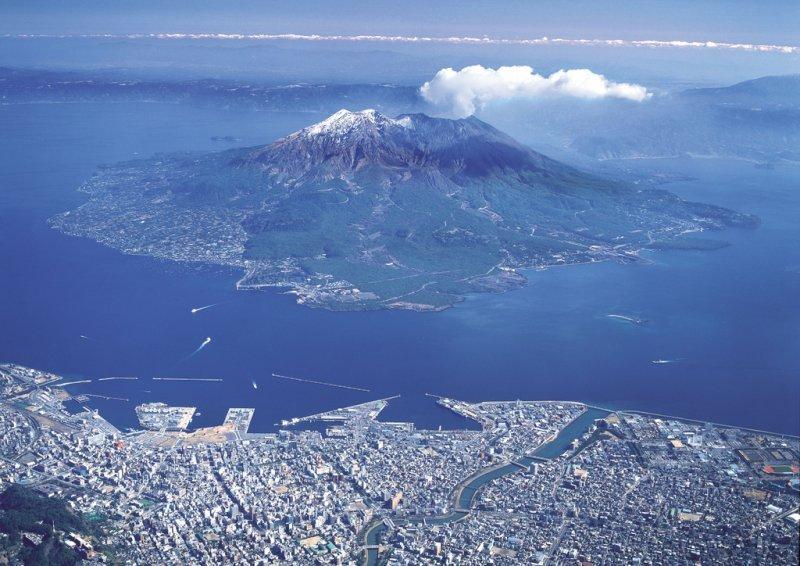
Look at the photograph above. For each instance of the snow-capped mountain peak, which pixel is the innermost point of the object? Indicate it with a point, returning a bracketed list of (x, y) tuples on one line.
[(345, 121), (349, 141)]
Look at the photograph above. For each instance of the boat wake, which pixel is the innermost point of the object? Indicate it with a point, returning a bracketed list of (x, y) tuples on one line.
[(196, 310), (205, 343), (626, 318)]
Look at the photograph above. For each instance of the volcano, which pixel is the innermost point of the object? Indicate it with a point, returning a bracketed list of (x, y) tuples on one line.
[(365, 211)]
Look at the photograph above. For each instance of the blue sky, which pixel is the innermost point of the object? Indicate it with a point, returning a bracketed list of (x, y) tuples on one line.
[(763, 21)]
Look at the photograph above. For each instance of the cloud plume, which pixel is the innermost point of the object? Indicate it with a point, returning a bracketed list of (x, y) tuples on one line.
[(461, 93)]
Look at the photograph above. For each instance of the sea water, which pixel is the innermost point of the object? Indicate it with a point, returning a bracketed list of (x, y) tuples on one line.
[(729, 319)]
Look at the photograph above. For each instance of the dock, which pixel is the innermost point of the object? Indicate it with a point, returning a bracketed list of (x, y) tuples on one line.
[(369, 410), (160, 416), (240, 418)]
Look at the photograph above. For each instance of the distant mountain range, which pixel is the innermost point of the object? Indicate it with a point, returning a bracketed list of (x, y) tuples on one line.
[(757, 119), (771, 92), (366, 211), (27, 85)]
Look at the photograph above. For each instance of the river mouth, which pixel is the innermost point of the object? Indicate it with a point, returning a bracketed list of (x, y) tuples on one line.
[(466, 491)]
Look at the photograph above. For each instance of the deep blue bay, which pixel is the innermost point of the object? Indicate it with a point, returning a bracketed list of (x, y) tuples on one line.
[(730, 318)]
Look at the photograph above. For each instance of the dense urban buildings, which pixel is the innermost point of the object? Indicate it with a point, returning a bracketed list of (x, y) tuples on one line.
[(539, 483)]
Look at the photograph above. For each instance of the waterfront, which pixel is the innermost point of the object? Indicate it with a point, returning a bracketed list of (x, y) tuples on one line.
[(411, 495), (731, 317)]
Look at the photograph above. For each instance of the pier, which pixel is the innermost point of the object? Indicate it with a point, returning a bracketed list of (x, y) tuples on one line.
[(106, 397), (187, 379), (368, 410), (317, 382), (72, 382), (239, 419)]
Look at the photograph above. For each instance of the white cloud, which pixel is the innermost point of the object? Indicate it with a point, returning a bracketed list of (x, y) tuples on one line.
[(467, 40), (461, 93)]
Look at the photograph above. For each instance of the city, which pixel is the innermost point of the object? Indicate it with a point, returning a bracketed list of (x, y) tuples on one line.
[(539, 483)]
